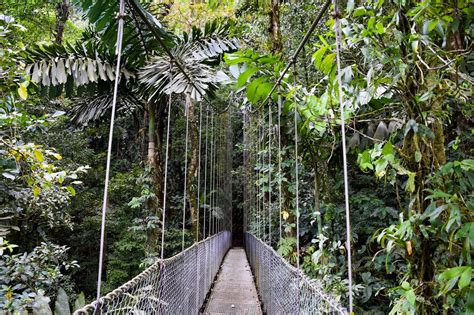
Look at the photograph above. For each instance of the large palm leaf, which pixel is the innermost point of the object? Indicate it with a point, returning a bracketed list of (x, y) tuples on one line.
[(82, 63), (97, 106), (194, 52), (211, 42), (162, 75), (137, 38)]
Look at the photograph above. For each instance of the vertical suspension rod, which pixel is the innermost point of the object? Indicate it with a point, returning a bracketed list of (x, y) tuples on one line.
[(120, 17), (344, 153)]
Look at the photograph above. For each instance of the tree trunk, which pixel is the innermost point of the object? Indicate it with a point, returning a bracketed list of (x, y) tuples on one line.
[(153, 206), (275, 31), (151, 157), (193, 164), (62, 14)]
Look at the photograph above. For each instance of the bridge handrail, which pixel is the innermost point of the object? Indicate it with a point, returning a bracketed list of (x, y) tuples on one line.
[(220, 240), (285, 298)]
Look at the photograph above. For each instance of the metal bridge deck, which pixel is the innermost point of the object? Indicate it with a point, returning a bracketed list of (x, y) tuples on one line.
[(234, 291)]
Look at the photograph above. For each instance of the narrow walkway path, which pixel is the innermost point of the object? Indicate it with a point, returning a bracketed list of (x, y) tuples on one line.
[(234, 291)]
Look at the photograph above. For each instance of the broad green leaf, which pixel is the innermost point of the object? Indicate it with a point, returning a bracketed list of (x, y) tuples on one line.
[(465, 278), (36, 191), (61, 306), (23, 92), (236, 58), (71, 190), (39, 155), (410, 187), (328, 63), (454, 217), (365, 161), (318, 56), (243, 77), (252, 89), (380, 167), (388, 149), (451, 273), (411, 297), (405, 285), (360, 11), (57, 156), (263, 90)]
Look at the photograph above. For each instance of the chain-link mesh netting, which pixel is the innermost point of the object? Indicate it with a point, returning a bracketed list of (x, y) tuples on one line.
[(177, 285), (280, 288)]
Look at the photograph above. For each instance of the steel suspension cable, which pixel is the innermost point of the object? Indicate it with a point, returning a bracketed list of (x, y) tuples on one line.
[(262, 185), (198, 261), (270, 174), (270, 206), (280, 208), (186, 113), (299, 49), (205, 174), (198, 201), (245, 186), (344, 152), (254, 164), (118, 51), (220, 185), (216, 178), (165, 186), (258, 177), (214, 190), (295, 122), (211, 187)]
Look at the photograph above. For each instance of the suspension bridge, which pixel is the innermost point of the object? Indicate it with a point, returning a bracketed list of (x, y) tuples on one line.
[(212, 276)]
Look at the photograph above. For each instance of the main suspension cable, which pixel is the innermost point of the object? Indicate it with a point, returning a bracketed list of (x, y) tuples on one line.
[(198, 201), (118, 51), (186, 114), (211, 182), (205, 174), (344, 152), (297, 184), (299, 49), (270, 123), (259, 194), (280, 177), (165, 186)]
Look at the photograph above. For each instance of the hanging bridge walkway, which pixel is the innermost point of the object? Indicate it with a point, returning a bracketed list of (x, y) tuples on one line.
[(181, 284), (234, 291), (186, 283)]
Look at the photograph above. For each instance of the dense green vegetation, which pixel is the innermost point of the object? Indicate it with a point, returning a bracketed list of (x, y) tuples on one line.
[(407, 75)]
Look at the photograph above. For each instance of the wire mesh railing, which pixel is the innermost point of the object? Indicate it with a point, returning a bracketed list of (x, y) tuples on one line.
[(282, 289), (177, 285)]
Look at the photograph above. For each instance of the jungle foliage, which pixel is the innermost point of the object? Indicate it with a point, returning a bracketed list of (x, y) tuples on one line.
[(407, 75)]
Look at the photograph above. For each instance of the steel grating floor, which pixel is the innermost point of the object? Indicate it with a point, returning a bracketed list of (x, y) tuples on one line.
[(234, 291)]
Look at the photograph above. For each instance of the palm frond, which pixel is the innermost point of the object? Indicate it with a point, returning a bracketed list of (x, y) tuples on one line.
[(137, 38), (162, 76), (212, 40), (96, 107), (83, 63)]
